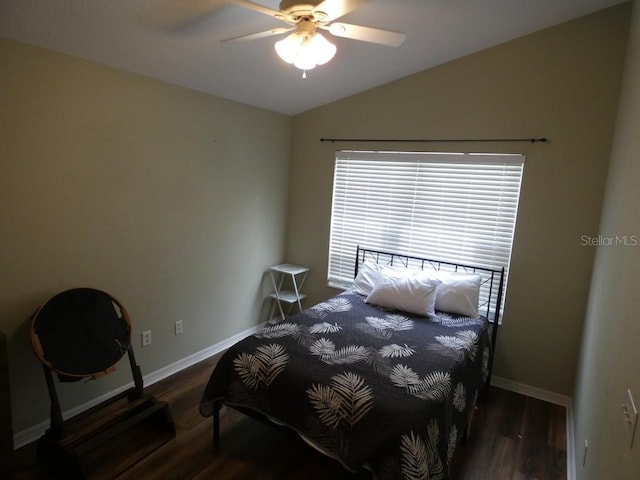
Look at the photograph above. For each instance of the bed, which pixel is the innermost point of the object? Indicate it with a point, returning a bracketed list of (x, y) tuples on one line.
[(384, 376)]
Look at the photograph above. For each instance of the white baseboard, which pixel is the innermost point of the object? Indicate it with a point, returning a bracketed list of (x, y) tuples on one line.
[(33, 433), (551, 397), (529, 391)]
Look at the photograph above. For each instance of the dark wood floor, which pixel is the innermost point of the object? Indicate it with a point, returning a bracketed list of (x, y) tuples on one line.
[(512, 437)]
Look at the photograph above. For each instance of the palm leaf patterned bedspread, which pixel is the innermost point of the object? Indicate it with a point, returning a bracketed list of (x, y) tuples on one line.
[(367, 386)]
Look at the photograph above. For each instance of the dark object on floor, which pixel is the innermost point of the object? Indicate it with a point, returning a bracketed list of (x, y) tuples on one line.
[(82, 333), (6, 429)]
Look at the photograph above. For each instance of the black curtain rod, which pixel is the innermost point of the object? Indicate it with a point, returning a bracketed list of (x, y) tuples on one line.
[(410, 140)]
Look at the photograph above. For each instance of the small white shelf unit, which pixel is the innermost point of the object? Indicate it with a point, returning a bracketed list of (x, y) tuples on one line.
[(287, 275)]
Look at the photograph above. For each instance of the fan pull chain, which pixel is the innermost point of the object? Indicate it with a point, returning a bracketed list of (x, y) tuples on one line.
[(304, 74)]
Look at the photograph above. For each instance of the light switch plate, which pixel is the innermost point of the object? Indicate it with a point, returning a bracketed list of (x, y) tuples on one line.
[(629, 416)]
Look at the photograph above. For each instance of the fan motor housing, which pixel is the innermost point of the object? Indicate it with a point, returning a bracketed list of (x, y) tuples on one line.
[(297, 9)]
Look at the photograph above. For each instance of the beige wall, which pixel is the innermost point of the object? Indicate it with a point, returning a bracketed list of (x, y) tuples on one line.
[(172, 200), (610, 353), (175, 201), (561, 83)]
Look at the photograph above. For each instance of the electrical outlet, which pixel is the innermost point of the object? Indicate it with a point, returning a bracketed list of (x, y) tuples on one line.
[(146, 338), (179, 327), (629, 416)]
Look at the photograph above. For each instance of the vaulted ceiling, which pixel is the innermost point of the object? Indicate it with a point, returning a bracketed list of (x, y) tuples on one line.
[(179, 41)]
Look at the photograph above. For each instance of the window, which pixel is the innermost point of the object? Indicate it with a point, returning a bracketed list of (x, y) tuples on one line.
[(448, 206)]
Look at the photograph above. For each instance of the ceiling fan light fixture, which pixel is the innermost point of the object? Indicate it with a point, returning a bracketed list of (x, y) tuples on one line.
[(305, 51), (319, 48), (306, 48), (287, 48), (304, 63)]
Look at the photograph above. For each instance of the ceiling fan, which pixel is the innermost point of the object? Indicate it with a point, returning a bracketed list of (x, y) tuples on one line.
[(306, 47)]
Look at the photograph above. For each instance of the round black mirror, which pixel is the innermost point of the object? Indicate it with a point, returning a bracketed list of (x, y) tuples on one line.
[(81, 332)]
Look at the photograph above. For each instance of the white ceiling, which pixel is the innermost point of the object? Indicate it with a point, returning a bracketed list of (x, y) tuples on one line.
[(178, 41)]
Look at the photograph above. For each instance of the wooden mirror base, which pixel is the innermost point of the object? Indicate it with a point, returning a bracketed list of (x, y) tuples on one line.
[(100, 441)]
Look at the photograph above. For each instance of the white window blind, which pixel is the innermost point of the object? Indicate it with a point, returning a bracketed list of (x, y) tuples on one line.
[(448, 206)]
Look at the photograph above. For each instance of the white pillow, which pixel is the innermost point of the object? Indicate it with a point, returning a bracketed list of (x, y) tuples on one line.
[(409, 293), (368, 273), (459, 293)]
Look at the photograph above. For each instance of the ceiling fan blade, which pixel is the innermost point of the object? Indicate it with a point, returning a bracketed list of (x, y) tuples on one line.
[(367, 34), (256, 7), (337, 8), (253, 36)]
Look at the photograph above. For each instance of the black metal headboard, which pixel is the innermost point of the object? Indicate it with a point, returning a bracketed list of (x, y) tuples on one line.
[(491, 286)]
